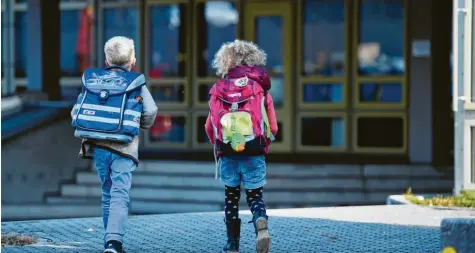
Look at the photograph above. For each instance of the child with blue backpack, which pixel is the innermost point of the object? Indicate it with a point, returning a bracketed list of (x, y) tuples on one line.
[(110, 111), (242, 124)]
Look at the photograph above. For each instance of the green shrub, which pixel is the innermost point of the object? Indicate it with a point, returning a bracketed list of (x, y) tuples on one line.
[(464, 199)]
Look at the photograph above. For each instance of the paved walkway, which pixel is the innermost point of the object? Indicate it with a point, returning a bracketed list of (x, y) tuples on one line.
[(366, 229)]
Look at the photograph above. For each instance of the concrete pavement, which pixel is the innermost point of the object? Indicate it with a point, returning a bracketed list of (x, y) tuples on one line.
[(394, 229)]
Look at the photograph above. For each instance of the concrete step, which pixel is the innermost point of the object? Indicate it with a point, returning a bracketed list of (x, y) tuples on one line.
[(312, 184), (158, 180), (141, 206), (303, 170), (160, 194), (273, 170), (40, 211)]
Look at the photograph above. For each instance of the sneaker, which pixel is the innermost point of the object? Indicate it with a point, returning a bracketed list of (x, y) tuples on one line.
[(113, 247)]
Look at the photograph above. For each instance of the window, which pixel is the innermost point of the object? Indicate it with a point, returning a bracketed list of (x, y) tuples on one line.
[(323, 37), (322, 131), (270, 37), (21, 47), (4, 57), (217, 23), (322, 93), (203, 92), (380, 92), (381, 33), (381, 131), (168, 129), (202, 137), (122, 21), (167, 55), (171, 93), (323, 59), (72, 44)]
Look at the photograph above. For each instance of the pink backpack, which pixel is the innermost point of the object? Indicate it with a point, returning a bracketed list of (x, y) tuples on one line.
[(239, 116)]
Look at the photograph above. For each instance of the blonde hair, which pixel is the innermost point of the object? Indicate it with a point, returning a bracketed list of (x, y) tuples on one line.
[(236, 53), (119, 50)]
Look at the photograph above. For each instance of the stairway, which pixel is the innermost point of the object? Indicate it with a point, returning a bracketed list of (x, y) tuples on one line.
[(173, 186)]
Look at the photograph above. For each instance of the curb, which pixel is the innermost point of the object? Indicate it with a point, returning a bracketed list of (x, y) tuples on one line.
[(458, 235), (399, 200)]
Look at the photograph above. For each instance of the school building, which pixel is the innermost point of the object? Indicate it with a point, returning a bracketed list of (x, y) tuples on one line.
[(355, 82), (364, 81)]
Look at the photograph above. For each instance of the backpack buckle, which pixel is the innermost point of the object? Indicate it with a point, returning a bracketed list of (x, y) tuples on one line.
[(103, 96), (234, 106)]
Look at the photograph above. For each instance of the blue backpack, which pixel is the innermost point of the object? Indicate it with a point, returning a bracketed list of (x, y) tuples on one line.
[(109, 106)]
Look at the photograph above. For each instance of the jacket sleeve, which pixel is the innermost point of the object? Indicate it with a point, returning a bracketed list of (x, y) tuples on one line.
[(209, 129), (149, 109), (271, 114)]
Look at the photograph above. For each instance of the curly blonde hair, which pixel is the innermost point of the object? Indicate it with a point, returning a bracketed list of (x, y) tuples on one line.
[(236, 53)]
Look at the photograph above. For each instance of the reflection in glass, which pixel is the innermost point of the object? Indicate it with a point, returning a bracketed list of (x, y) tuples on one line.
[(269, 36), (323, 93), (168, 129), (168, 93), (381, 92), (324, 37), (380, 132), (70, 20), (203, 92), (217, 22), (21, 40), (201, 135), (167, 41), (122, 22), (84, 39), (323, 132), (381, 45)]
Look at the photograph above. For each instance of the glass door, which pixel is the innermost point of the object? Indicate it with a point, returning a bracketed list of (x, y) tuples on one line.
[(269, 25)]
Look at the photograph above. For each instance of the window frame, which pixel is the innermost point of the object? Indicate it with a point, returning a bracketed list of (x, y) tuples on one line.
[(302, 148), (285, 114), (166, 81), (209, 79), (358, 79)]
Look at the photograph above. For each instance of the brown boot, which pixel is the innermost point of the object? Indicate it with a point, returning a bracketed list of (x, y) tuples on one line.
[(262, 233)]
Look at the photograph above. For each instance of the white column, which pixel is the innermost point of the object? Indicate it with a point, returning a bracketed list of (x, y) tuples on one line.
[(463, 106)]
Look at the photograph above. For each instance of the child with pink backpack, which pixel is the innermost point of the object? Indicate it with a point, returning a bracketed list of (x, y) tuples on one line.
[(241, 124)]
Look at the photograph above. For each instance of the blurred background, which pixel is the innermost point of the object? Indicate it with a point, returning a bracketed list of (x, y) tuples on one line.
[(362, 90)]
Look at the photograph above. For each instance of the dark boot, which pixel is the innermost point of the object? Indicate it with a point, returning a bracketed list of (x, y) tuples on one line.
[(233, 229), (262, 232)]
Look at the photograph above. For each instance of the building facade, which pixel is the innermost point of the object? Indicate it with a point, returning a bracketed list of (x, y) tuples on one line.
[(354, 81)]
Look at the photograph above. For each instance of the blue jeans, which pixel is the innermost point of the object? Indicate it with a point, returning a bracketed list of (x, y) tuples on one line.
[(250, 170), (115, 172)]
